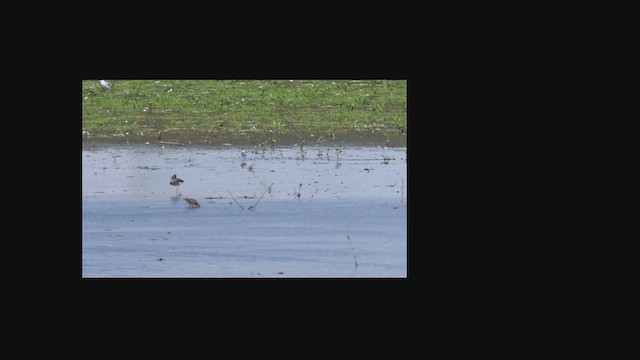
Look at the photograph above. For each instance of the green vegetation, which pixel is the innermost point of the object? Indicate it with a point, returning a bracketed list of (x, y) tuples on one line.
[(244, 111)]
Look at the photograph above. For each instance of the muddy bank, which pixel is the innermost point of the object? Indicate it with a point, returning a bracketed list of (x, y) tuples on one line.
[(247, 138)]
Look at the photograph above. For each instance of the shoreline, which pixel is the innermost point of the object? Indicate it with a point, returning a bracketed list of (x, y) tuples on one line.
[(350, 138)]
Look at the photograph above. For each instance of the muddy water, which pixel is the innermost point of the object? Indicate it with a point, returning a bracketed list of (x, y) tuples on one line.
[(277, 212)]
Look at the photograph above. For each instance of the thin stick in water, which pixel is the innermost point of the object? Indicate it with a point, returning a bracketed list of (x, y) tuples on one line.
[(256, 204), (353, 250), (234, 199), (261, 182)]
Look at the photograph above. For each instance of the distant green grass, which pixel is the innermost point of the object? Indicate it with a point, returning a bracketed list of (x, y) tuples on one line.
[(216, 111)]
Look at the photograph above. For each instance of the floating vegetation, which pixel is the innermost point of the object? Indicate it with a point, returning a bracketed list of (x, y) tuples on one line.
[(303, 152)]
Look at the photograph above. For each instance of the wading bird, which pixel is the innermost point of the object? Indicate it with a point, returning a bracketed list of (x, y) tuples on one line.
[(105, 85), (192, 202), (176, 182)]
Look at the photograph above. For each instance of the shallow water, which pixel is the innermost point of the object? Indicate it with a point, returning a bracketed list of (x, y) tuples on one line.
[(287, 212)]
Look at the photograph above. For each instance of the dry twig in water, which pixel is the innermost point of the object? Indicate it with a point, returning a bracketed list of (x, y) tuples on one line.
[(256, 204), (353, 250), (234, 199)]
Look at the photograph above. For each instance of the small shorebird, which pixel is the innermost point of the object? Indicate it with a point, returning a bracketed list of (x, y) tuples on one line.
[(105, 85), (175, 182), (243, 154), (192, 202)]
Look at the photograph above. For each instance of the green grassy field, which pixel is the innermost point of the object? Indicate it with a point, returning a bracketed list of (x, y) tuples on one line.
[(245, 111)]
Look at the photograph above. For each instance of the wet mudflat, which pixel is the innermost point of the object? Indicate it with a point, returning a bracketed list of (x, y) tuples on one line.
[(276, 212)]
